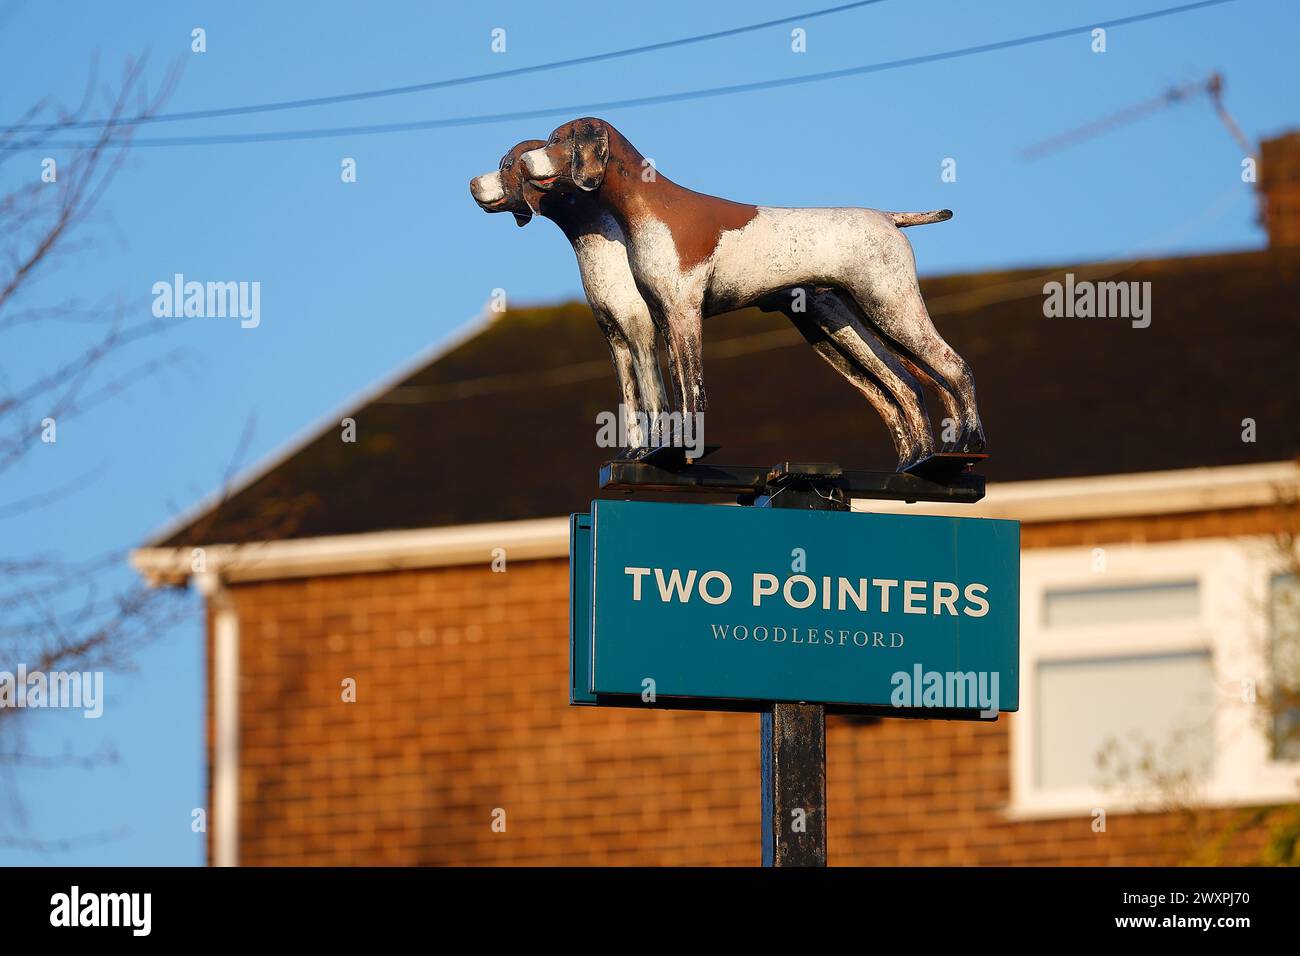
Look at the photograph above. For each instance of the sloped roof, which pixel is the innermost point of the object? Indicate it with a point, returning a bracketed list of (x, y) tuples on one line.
[(503, 425)]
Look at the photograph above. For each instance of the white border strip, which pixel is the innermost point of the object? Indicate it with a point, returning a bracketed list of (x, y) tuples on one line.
[(356, 553)]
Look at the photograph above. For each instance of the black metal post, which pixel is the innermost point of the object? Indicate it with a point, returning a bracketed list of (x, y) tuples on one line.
[(793, 742), (793, 737)]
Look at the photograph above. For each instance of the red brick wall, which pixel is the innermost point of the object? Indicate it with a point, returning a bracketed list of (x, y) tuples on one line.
[(461, 708)]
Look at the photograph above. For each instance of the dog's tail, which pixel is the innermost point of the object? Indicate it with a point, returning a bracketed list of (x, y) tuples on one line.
[(904, 219)]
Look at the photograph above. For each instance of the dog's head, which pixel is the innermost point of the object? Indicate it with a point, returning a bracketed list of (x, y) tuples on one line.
[(508, 189), (575, 155)]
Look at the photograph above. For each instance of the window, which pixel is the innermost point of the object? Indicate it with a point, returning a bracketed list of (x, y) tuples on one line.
[(1139, 665), (1169, 601), (1160, 700)]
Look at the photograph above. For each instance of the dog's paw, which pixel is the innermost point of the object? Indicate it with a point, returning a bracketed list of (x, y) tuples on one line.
[(973, 443)]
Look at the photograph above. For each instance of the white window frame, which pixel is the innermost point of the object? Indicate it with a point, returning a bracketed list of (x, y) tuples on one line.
[(1233, 577)]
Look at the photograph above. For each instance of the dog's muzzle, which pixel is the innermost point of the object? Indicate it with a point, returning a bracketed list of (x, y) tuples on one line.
[(539, 168), (487, 189)]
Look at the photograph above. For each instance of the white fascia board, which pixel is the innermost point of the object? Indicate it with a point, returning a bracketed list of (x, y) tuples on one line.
[(1060, 499), (356, 553), (1116, 496)]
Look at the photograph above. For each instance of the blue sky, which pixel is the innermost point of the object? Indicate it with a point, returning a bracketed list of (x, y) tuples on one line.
[(359, 278)]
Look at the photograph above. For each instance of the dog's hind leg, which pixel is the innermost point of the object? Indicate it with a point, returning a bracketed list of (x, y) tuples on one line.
[(874, 356), (908, 324), (828, 328), (895, 308)]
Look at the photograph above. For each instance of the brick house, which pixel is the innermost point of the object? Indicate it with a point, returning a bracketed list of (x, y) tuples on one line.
[(1150, 583)]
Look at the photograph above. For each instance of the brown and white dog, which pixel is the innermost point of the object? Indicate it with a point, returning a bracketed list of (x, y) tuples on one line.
[(599, 245), (694, 256)]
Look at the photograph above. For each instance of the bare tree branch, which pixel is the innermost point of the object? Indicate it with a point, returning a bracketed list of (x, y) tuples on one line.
[(58, 615)]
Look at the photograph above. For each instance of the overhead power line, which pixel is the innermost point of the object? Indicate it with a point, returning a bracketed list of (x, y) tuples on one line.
[(631, 102), (436, 84), (1175, 94)]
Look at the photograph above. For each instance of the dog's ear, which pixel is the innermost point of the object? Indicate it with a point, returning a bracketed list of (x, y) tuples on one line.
[(522, 220), (590, 154)]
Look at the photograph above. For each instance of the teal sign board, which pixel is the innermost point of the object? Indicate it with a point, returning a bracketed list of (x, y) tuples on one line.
[(698, 605)]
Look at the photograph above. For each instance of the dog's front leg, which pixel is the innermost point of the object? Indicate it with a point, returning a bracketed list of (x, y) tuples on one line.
[(629, 409), (685, 335), (641, 329), (680, 325)]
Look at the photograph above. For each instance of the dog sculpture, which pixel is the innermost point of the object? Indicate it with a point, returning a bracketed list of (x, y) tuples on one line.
[(694, 256), (599, 245)]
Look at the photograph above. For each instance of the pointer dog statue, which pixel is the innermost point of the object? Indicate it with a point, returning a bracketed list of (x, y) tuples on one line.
[(600, 247), (691, 256), (607, 280)]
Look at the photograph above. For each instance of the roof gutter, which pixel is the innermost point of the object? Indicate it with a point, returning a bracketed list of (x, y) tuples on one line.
[(355, 553), (1117, 496)]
